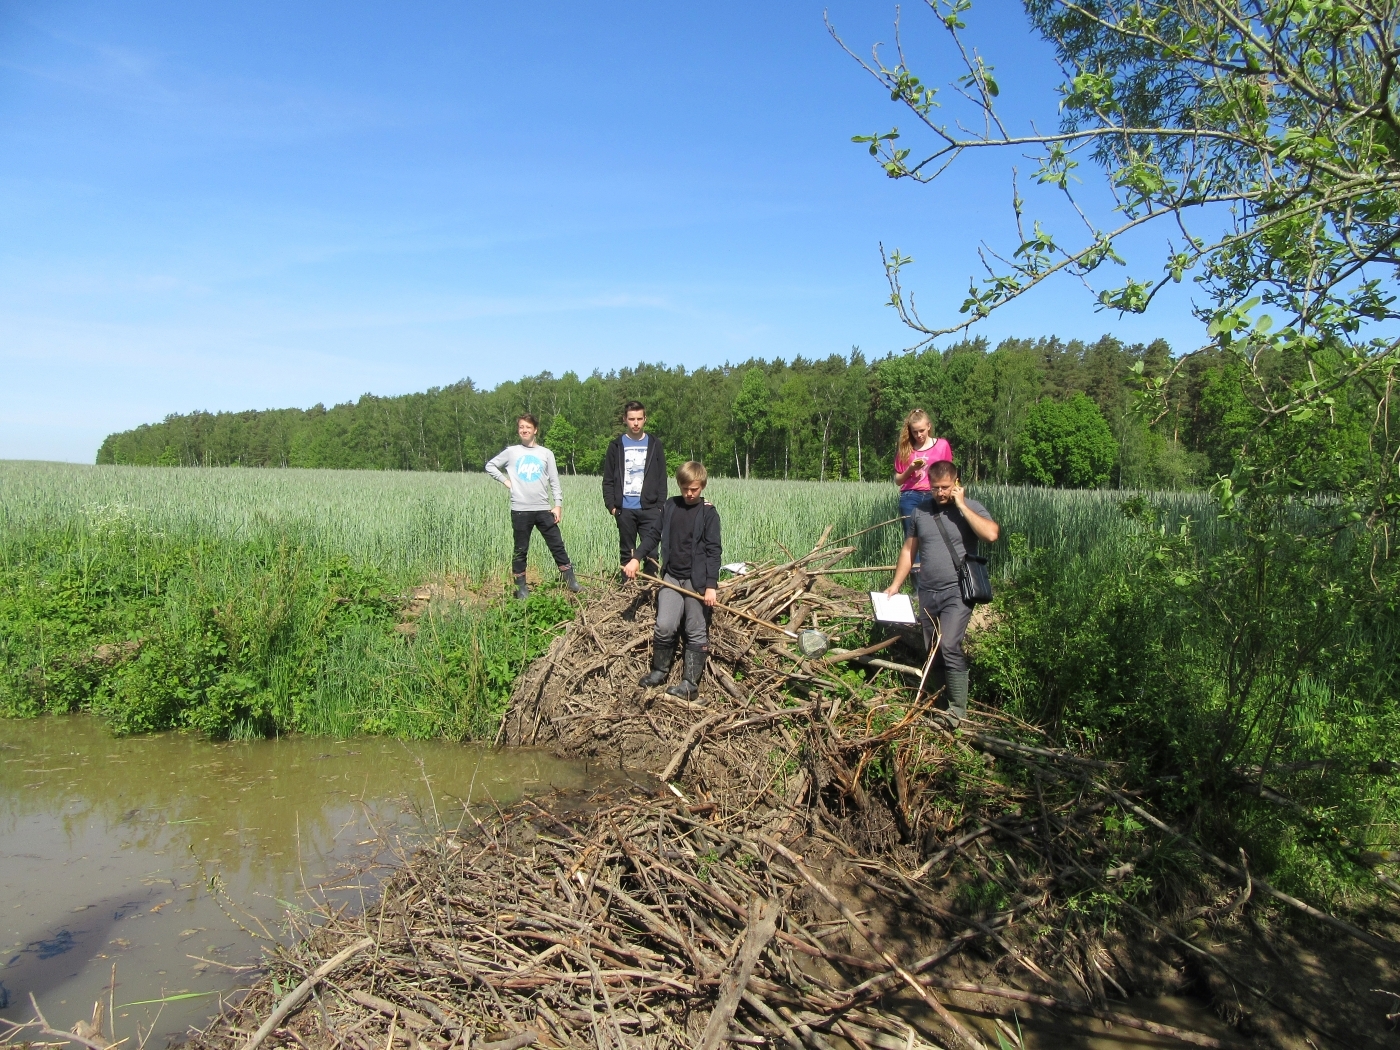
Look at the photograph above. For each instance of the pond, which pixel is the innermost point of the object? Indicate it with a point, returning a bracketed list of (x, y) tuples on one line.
[(165, 859)]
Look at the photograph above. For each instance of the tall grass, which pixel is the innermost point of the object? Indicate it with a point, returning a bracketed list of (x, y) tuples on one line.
[(425, 523), (245, 602)]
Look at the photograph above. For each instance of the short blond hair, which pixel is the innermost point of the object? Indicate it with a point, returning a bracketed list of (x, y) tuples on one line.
[(691, 471)]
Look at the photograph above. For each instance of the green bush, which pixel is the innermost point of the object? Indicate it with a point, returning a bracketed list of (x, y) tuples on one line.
[(243, 639), (1196, 658)]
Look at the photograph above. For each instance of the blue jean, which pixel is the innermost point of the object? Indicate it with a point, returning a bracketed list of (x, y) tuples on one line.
[(909, 501)]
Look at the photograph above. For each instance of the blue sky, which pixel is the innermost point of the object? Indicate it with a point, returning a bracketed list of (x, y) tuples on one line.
[(271, 204)]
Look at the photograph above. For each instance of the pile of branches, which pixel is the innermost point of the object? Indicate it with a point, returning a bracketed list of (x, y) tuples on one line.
[(582, 697), (815, 860), (641, 924)]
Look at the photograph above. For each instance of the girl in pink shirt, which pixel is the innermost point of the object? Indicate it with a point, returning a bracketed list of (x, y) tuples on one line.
[(917, 449)]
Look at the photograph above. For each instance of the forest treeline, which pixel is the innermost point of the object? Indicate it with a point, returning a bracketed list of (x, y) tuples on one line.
[(1029, 410)]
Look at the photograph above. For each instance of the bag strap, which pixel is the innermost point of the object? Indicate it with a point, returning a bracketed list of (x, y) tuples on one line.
[(957, 562)]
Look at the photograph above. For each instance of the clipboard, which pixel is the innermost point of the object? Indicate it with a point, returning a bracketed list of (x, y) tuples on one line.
[(893, 610)]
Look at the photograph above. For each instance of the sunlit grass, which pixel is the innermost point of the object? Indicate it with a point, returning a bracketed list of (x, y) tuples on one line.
[(426, 523), (268, 600)]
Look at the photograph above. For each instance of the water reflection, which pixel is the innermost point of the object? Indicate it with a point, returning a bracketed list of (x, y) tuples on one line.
[(164, 854)]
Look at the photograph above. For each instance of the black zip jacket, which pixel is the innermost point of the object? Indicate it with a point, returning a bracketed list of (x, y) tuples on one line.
[(653, 480), (705, 551)]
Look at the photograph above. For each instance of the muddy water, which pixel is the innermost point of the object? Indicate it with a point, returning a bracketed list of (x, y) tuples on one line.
[(161, 855)]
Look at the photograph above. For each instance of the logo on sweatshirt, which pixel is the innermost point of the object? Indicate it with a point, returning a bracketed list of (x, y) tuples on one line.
[(529, 468)]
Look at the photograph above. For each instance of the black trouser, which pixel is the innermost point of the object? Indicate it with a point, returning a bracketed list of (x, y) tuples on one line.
[(523, 522), (630, 524), (945, 606)]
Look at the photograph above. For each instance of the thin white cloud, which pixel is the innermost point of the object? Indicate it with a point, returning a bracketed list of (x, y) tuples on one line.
[(152, 84)]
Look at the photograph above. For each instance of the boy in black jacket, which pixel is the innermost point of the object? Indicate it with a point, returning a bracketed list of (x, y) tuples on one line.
[(634, 481), (688, 534)]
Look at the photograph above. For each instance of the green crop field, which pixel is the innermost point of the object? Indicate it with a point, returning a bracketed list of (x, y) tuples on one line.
[(408, 523), (247, 602)]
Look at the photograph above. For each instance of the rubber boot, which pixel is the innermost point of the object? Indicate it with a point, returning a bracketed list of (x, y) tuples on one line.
[(570, 580), (689, 685), (662, 653), (522, 589), (957, 696)]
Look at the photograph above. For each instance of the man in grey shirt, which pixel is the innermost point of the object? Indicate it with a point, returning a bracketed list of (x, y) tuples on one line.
[(528, 470), (950, 519)]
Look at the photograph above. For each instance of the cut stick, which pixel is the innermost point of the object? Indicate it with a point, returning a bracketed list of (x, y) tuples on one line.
[(948, 850), (48, 1029), (515, 1042), (696, 732), (876, 942), (294, 998), (839, 655), (763, 923), (767, 1013), (409, 1017), (719, 605), (991, 743)]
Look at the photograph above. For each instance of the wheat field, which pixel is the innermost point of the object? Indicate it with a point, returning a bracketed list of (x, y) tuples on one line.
[(426, 523)]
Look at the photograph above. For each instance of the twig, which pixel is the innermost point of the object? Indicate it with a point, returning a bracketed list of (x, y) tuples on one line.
[(1378, 943), (696, 731), (47, 1029), (1085, 1009), (763, 923), (294, 998)]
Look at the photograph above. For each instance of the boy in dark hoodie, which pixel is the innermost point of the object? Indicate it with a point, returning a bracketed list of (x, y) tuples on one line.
[(634, 481), (687, 531)]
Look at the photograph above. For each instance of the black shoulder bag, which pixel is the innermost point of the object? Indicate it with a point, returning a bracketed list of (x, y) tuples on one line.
[(974, 582)]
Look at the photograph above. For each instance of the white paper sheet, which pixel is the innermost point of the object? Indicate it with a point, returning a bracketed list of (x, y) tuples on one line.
[(892, 609)]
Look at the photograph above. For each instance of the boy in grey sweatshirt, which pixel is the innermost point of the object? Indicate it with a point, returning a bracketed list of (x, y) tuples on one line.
[(528, 470)]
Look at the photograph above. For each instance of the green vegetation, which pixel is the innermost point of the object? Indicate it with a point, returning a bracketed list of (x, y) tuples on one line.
[(245, 637), (1211, 665), (824, 420), (239, 603), (1066, 443), (245, 602), (1249, 674)]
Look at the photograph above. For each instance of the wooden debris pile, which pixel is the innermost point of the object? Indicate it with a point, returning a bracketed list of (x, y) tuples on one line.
[(582, 698), (643, 924)]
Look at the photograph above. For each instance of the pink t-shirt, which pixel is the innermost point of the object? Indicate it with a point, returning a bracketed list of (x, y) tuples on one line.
[(919, 482)]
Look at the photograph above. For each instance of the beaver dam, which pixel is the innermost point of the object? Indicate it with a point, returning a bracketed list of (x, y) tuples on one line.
[(818, 863)]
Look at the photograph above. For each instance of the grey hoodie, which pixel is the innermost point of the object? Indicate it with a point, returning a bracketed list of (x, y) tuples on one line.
[(531, 473)]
